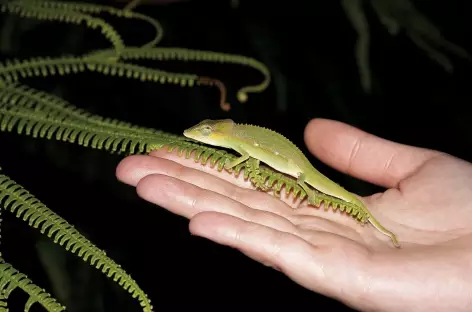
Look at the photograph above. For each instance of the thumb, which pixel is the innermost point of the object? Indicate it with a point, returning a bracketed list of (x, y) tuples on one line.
[(321, 269), (363, 155)]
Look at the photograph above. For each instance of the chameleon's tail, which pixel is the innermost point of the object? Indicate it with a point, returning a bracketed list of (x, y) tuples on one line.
[(384, 231), (374, 221)]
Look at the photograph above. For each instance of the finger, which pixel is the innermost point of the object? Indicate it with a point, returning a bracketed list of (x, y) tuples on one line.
[(133, 168), (187, 200), (191, 163), (230, 177), (363, 155), (321, 268)]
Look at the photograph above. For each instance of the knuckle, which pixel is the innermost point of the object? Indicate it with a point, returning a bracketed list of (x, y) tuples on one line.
[(278, 240), (354, 152)]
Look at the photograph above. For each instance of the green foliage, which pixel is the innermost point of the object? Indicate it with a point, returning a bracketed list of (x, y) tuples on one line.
[(42, 115), (91, 8), (10, 279), (19, 201), (34, 9)]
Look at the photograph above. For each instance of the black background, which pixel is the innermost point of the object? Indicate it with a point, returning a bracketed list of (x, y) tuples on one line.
[(309, 49)]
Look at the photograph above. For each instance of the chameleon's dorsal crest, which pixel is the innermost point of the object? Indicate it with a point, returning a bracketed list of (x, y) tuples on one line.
[(275, 134)]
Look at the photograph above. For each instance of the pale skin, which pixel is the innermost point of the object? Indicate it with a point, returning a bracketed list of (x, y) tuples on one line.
[(428, 203)]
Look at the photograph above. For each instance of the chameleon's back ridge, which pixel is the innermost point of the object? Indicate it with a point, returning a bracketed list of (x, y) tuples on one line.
[(270, 140)]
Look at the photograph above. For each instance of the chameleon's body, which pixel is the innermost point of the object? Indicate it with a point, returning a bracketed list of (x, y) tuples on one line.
[(260, 144)]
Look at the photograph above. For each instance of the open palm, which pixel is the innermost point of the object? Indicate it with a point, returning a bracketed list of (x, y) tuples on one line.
[(428, 205)]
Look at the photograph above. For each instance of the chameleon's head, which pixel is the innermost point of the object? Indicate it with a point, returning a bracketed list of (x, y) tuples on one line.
[(211, 132)]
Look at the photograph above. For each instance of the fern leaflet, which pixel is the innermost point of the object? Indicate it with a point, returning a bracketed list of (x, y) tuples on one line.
[(97, 9), (10, 279), (16, 199), (28, 9)]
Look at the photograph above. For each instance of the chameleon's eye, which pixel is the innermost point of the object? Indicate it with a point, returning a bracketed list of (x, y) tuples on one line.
[(206, 130)]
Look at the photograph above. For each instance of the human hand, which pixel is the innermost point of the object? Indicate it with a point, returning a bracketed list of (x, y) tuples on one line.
[(427, 205)]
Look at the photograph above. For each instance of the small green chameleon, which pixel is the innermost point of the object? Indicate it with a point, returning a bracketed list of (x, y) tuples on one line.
[(256, 144)]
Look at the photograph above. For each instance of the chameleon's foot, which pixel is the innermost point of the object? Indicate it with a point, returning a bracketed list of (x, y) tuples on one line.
[(230, 164)]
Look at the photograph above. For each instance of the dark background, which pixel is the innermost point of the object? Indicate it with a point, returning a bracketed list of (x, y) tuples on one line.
[(309, 49)]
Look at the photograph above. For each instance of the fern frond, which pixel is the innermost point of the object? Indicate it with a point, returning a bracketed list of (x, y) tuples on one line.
[(39, 114), (3, 304), (140, 72), (181, 54), (10, 279), (64, 128), (12, 70), (29, 10), (16, 199), (12, 95), (92, 8)]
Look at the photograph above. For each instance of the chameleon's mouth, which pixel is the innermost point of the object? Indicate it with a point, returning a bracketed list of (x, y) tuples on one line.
[(188, 134), (191, 135)]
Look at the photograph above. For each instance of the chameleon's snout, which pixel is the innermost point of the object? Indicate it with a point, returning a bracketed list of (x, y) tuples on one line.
[(188, 134), (199, 131), (192, 133), (212, 132)]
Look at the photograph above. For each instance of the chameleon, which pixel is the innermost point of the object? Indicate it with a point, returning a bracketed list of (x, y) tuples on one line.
[(257, 144)]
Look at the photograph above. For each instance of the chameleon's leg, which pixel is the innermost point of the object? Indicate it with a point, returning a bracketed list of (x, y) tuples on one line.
[(252, 165), (229, 164), (309, 192)]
